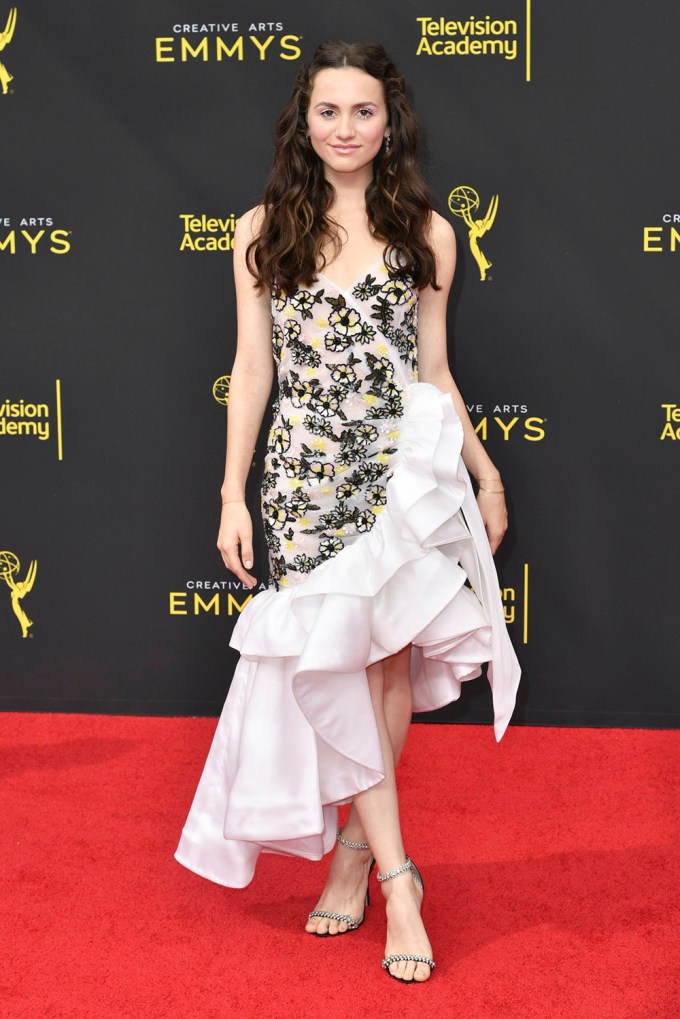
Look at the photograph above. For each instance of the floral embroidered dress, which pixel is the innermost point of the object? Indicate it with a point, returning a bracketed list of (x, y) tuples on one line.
[(375, 542), (345, 359)]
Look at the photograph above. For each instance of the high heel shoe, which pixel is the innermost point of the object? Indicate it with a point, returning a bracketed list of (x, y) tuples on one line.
[(351, 923), (409, 865)]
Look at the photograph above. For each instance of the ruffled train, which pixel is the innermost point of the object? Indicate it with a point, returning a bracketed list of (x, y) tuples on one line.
[(297, 736)]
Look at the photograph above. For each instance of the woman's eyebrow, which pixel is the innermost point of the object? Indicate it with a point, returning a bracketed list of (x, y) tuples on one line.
[(356, 106)]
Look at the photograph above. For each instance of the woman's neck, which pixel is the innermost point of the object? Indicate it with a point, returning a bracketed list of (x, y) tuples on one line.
[(350, 188)]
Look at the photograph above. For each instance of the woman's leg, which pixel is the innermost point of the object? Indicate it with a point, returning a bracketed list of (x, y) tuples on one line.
[(345, 888), (378, 811), (398, 708)]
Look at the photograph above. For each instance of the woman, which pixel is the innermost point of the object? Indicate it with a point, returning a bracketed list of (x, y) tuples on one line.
[(372, 529)]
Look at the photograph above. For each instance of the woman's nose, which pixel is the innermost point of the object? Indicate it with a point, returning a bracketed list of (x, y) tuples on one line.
[(344, 127)]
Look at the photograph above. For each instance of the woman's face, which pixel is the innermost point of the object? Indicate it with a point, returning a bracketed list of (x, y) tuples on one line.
[(346, 119)]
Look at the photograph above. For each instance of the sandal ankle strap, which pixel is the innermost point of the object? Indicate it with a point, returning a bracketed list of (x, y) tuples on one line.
[(406, 866), (350, 845)]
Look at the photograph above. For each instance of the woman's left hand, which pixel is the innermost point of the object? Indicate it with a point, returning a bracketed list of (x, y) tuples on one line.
[(495, 516)]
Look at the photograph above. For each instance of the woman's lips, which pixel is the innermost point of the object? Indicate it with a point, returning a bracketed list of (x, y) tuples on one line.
[(344, 148)]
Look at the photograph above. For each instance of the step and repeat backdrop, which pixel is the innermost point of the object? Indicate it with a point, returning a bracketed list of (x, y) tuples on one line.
[(134, 136)]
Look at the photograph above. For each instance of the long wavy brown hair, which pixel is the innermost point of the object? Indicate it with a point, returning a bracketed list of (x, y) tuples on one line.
[(296, 223)]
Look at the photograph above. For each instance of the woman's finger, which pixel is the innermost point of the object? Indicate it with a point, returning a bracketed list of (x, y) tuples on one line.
[(232, 562), (247, 552)]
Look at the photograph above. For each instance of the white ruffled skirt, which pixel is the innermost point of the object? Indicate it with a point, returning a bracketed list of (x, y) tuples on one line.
[(297, 736)]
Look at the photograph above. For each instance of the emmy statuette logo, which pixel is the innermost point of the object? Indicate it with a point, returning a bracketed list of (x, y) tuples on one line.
[(464, 202), (5, 40), (220, 389), (9, 572)]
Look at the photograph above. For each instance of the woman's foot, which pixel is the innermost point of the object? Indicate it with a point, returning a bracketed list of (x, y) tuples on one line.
[(405, 930), (345, 892)]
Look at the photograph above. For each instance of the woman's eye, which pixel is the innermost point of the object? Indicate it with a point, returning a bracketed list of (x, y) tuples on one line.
[(327, 114), (365, 113)]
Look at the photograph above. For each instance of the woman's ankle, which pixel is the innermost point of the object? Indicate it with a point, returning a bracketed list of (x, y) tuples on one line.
[(403, 888), (352, 838)]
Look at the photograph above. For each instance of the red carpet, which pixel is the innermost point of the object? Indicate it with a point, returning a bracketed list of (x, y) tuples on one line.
[(551, 865)]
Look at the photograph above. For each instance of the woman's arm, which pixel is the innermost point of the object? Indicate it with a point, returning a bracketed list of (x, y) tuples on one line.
[(433, 367), (249, 389)]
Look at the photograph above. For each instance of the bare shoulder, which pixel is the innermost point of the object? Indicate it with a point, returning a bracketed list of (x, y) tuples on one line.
[(442, 236), (249, 225), (443, 241), (247, 230)]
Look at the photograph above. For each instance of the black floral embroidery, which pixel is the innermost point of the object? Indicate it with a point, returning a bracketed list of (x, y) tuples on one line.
[(344, 373), (377, 495), (347, 326), (303, 563), (279, 437), (394, 293), (319, 426), (301, 352), (277, 342), (304, 301), (367, 288)]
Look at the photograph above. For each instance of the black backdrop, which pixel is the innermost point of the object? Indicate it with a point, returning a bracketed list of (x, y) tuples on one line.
[(132, 133)]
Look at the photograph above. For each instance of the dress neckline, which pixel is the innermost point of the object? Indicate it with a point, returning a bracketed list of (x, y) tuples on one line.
[(363, 275)]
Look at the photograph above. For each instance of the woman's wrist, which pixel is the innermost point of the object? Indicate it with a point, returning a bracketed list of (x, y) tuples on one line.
[(233, 493), (492, 484)]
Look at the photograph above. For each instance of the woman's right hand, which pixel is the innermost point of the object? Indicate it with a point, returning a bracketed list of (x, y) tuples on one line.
[(235, 541)]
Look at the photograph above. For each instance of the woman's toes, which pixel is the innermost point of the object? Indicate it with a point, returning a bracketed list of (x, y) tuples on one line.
[(317, 925), (410, 971), (324, 925)]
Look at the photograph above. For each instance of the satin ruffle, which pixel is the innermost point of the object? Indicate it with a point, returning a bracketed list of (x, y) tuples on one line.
[(297, 736)]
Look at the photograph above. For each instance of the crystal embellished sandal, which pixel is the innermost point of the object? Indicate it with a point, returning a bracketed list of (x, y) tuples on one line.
[(409, 865), (351, 923)]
